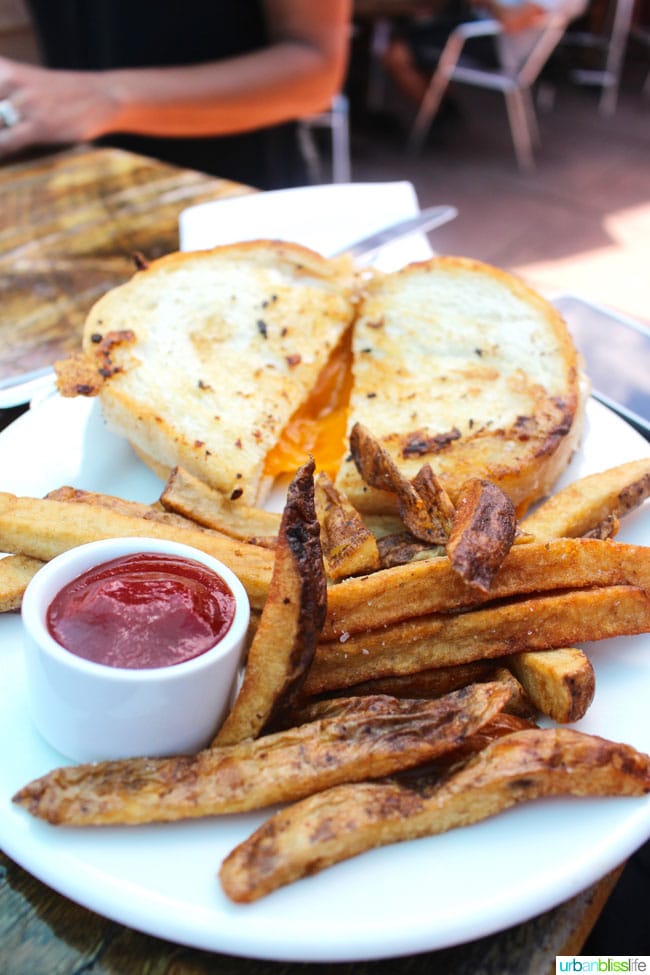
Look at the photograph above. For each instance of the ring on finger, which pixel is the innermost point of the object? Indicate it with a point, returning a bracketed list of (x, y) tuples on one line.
[(9, 114)]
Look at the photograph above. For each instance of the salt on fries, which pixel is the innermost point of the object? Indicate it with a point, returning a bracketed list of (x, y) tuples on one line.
[(447, 660)]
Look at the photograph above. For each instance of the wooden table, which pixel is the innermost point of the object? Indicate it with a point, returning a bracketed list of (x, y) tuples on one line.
[(69, 224)]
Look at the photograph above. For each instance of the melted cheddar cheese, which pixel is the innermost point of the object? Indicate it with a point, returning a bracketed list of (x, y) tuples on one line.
[(318, 427)]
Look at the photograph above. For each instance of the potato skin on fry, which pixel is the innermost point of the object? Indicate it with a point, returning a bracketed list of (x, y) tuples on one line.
[(292, 618), (346, 820), (349, 548), (378, 470), (364, 738), (482, 532)]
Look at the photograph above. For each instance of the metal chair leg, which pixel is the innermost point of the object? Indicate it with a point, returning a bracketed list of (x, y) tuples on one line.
[(337, 121), (519, 128), (615, 56), (531, 117), (427, 110), (310, 154), (434, 93), (341, 166)]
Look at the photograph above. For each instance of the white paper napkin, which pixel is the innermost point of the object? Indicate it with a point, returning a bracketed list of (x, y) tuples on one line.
[(326, 218)]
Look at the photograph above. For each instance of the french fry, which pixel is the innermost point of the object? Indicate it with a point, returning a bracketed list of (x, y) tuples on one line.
[(588, 502), (420, 588), (425, 684), (538, 623), (519, 702), (560, 683), (350, 819), (503, 724), (136, 509), (292, 619), (482, 532), (378, 470), (16, 571), (41, 528), (367, 738), (349, 548), (188, 496), (422, 686)]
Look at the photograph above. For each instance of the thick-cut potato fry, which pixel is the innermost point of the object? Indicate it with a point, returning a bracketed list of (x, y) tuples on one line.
[(350, 819), (292, 618), (187, 495), (409, 591), (519, 701), (152, 512), (349, 548), (482, 532), (422, 686), (378, 470), (540, 623), (426, 684), (41, 529), (586, 503), (560, 683), (16, 571), (367, 738)]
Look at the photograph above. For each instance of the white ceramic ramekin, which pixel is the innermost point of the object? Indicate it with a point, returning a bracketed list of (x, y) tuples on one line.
[(91, 712)]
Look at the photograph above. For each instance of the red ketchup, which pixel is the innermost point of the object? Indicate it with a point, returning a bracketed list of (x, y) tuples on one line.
[(142, 611)]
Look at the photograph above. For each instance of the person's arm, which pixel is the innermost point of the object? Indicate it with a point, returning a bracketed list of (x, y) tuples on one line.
[(297, 74)]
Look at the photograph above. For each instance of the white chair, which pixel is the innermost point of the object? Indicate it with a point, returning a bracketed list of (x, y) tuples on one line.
[(337, 121), (514, 81), (613, 43)]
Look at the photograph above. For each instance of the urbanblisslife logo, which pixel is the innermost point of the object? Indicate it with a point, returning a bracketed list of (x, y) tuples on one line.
[(602, 963)]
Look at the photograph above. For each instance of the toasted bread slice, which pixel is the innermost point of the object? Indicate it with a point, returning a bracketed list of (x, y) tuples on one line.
[(460, 365), (206, 355)]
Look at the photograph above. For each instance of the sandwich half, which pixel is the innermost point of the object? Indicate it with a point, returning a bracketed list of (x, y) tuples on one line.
[(201, 358), (462, 366)]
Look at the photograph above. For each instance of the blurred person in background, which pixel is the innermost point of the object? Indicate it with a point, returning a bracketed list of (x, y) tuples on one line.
[(215, 85)]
